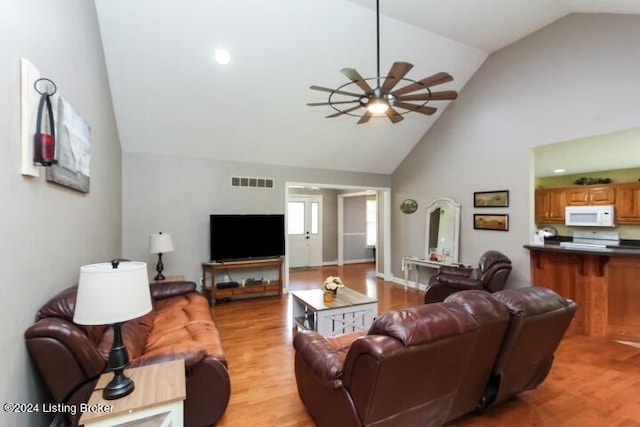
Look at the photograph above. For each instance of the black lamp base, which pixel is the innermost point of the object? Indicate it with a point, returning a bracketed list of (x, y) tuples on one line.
[(159, 268), (118, 387)]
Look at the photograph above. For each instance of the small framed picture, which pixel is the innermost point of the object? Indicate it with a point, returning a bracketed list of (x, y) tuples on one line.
[(491, 199), (499, 222)]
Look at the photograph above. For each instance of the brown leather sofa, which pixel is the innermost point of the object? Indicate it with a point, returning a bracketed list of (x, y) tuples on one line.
[(71, 357), (490, 275), (427, 365)]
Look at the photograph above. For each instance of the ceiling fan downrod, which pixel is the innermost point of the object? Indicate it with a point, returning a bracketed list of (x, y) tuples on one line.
[(378, 42)]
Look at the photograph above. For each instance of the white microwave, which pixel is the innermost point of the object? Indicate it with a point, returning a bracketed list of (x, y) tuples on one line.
[(589, 216)]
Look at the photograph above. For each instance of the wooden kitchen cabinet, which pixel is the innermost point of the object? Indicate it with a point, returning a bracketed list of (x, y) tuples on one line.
[(627, 206), (549, 205), (590, 195)]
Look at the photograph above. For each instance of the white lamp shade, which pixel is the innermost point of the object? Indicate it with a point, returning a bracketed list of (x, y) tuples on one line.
[(108, 295), (160, 243)]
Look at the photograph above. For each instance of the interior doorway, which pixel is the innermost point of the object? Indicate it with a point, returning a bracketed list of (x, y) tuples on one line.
[(329, 225), (358, 226)]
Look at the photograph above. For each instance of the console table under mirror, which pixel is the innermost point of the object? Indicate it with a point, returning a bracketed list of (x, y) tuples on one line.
[(442, 239)]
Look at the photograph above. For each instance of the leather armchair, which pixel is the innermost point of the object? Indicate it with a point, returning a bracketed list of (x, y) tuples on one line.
[(490, 275)]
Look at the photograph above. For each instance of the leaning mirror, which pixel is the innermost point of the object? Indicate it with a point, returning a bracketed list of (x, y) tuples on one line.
[(443, 231)]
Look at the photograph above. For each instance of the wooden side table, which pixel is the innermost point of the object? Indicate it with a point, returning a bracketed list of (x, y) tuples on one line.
[(157, 399)]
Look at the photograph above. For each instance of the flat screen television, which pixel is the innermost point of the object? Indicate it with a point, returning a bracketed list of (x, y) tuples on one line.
[(239, 236)]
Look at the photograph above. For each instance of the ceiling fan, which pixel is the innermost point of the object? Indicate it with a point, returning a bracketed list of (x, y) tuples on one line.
[(383, 99)]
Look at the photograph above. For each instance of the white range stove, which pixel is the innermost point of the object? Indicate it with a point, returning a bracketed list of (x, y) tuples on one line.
[(593, 239)]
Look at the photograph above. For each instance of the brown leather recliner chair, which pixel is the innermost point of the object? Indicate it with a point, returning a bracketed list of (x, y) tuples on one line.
[(404, 372), (512, 356), (539, 319), (491, 275), (493, 317)]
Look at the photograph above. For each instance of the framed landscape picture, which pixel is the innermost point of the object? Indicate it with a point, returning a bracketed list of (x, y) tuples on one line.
[(491, 199), (499, 222)]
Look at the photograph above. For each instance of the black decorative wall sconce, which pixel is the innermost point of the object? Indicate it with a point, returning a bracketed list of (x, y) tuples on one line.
[(44, 143)]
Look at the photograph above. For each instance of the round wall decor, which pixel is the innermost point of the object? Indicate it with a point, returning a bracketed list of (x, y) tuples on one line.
[(408, 206)]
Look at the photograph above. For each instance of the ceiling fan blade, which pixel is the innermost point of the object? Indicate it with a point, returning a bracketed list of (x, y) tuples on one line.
[(339, 113), (417, 108), (444, 95), (340, 92), (316, 104), (394, 116), (356, 78), (365, 117), (434, 80), (396, 73)]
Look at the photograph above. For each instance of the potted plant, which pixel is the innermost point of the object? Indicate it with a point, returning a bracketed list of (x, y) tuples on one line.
[(330, 287)]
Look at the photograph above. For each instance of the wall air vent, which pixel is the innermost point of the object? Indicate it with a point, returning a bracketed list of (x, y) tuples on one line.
[(252, 182)]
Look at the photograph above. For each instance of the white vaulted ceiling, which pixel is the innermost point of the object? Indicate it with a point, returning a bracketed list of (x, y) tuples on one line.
[(171, 97)]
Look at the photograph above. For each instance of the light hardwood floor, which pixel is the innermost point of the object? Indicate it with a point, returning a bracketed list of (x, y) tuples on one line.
[(593, 383)]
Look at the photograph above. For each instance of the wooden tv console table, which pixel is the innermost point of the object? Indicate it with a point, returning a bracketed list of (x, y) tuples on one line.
[(266, 287)]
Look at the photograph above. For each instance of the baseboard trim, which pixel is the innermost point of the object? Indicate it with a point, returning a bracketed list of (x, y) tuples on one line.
[(410, 284), (351, 261)]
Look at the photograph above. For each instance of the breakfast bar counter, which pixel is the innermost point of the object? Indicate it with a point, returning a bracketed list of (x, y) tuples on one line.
[(603, 281)]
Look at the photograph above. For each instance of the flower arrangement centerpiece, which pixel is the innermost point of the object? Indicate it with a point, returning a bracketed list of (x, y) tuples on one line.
[(330, 287)]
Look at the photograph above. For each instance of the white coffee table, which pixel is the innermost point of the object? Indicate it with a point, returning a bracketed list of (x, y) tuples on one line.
[(350, 311)]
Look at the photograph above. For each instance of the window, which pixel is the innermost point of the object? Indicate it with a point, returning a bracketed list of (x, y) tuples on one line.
[(372, 222), (315, 207), (296, 218)]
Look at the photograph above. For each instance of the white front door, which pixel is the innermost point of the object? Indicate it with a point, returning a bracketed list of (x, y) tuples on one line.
[(304, 225)]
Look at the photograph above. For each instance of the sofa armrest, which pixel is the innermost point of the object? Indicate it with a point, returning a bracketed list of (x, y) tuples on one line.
[(455, 270), (169, 289), (325, 360), (460, 282), (65, 357), (208, 392)]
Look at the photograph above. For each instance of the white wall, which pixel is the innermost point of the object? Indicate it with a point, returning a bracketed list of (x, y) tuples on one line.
[(574, 78), (47, 232), (177, 195)]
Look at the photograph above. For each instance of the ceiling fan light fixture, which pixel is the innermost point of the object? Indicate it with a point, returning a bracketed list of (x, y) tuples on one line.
[(377, 106)]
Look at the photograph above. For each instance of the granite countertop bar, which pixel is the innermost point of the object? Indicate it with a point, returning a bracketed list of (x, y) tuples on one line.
[(625, 248)]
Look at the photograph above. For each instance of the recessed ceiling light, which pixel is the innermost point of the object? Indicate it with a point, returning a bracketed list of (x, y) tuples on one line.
[(559, 170), (222, 56)]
